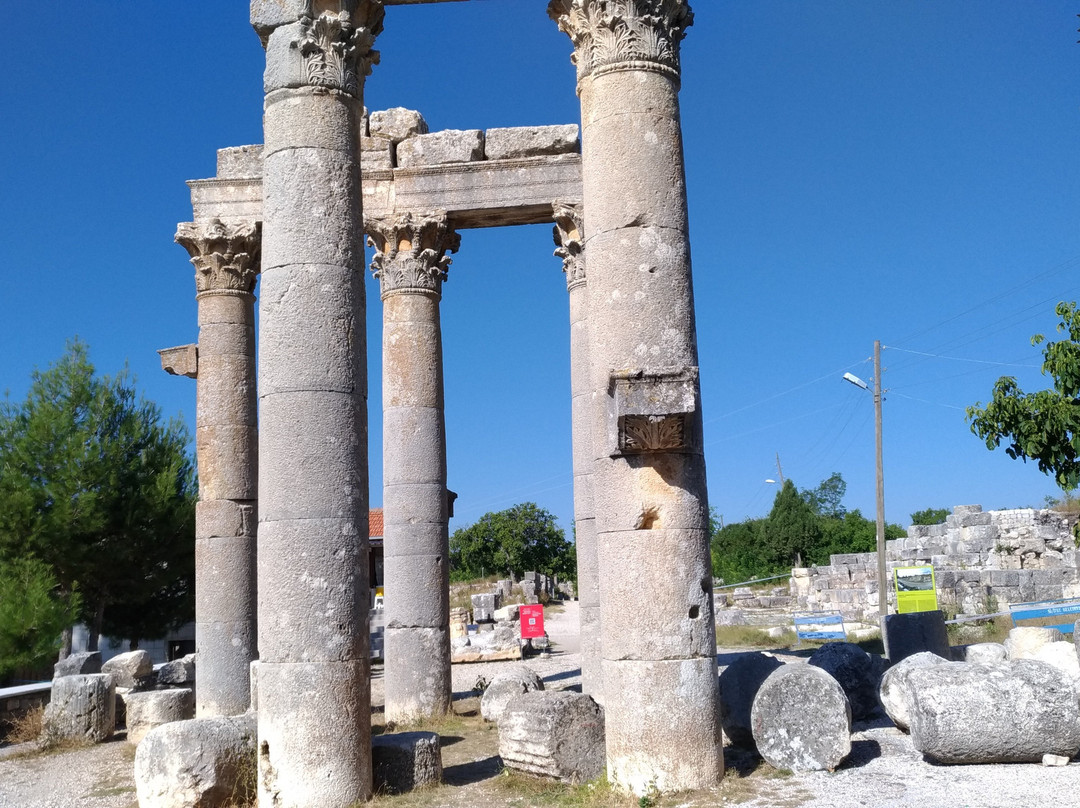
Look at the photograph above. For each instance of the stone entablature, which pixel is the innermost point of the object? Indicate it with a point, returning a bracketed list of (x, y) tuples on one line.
[(983, 561)]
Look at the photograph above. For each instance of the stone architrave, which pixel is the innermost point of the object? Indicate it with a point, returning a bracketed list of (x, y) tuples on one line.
[(649, 484), (313, 675), (226, 257), (411, 264), (569, 233)]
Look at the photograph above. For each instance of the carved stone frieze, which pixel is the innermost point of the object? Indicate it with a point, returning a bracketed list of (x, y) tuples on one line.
[(569, 236), (338, 49), (411, 252), (654, 411), (652, 433), (623, 34), (225, 254)]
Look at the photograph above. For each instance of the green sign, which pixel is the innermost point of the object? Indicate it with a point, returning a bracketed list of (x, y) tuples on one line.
[(916, 590)]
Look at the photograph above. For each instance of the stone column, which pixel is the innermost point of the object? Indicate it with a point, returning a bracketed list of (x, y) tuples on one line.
[(226, 259), (410, 262), (658, 638), (313, 673), (569, 239)]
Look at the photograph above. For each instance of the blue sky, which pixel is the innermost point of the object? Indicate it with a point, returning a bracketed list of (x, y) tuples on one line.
[(857, 171)]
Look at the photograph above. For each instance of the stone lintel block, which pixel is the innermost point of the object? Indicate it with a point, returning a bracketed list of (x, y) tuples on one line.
[(439, 148), (313, 592), (403, 761), (531, 141), (396, 124), (376, 154), (416, 591), (417, 674), (239, 162), (221, 518), (183, 360)]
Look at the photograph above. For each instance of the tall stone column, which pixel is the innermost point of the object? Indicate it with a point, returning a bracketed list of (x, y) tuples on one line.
[(657, 622), (226, 259), (313, 673), (569, 240), (411, 263)]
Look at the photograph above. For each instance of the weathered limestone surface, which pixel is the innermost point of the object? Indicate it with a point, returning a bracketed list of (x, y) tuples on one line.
[(226, 258), (1006, 712), (411, 264), (178, 671), (78, 664), (895, 692), (649, 470), (505, 687), (980, 652), (396, 124), (130, 669), (438, 148), (403, 761), (531, 141), (313, 688), (1060, 654), (153, 708), (801, 720), (1024, 641), (82, 707), (739, 685), (856, 673), (205, 762), (182, 360), (556, 734)]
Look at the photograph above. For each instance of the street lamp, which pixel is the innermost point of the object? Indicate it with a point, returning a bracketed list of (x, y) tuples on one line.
[(883, 596)]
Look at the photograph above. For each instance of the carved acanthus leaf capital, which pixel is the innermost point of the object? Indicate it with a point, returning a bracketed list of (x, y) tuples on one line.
[(225, 255), (569, 236), (338, 49), (623, 34), (411, 252)]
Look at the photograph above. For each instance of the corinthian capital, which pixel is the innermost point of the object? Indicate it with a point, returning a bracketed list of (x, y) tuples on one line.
[(613, 35), (570, 242), (410, 252), (337, 48), (225, 256)]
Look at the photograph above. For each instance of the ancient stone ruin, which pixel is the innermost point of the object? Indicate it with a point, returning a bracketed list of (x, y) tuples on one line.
[(291, 490)]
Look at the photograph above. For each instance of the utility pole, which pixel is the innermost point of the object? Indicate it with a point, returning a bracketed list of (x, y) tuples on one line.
[(779, 471), (883, 590)]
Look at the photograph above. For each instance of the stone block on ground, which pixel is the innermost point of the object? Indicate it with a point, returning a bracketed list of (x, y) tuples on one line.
[(506, 686), (895, 691), (403, 761), (205, 762), (82, 707), (980, 652), (510, 612), (440, 148), (484, 606), (152, 708), (855, 671), (1002, 712), (131, 669), (1023, 641), (1060, 654), (739, 684), (555, 734), (178, 672), (78, 664), (531, 141), (801, 719), (914, 632)]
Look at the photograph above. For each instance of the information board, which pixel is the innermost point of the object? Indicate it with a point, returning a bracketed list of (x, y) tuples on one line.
[(916, 589), (532, 621)]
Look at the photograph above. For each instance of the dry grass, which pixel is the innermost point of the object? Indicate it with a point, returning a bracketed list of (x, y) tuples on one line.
[(28, 726), (752, 637)]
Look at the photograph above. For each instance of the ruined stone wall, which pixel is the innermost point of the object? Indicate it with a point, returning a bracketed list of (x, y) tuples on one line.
[(983, 562)]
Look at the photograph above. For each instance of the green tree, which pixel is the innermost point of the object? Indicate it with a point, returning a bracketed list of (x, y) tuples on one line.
[(33, 614), (1043, 426), (827, 498), (96, 486), (793, 532), (853, 533), (524, 537), (737, 552), (929, 516)]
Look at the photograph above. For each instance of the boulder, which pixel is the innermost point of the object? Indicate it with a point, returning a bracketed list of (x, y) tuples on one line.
[(895, 691), (152, 708), (507, 685), (82, 707), (739, 684), (801, 719), (178, 672), (556, 734), (1062, 655), (994, 712), (980, 652), (403, 761), (855, 671), (1023, 641), (131, 669), (205, 762), (78, 664), (915, 632)]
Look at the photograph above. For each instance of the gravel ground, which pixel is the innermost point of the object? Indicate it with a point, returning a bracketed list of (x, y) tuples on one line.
[(884, 770)]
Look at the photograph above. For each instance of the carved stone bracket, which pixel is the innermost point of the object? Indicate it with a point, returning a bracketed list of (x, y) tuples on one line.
[(411, 252), (653, 411), (569, 236), (225, 255), (613, 35), (337, 50)]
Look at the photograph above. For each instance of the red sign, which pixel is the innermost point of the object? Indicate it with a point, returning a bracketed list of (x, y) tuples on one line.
[(532, 621)]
